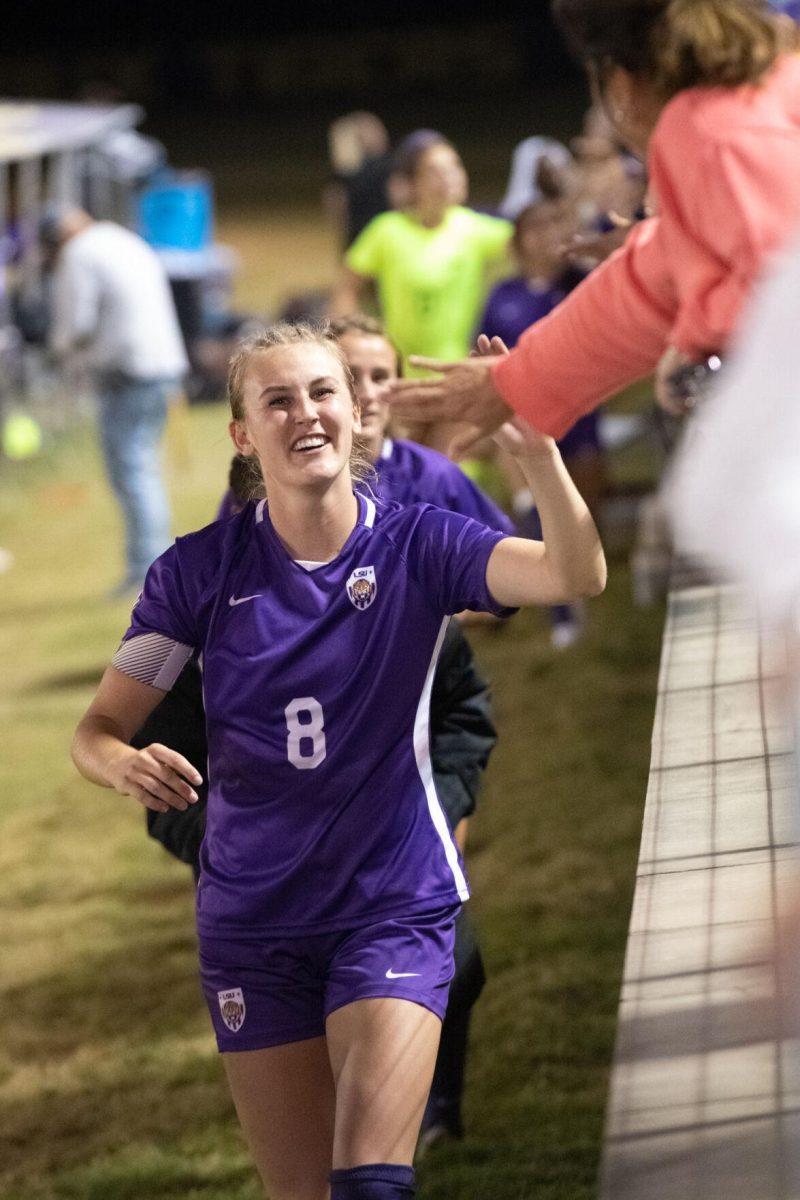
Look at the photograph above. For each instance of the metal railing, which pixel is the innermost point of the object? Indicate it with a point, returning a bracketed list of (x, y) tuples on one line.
[(705, 1089)]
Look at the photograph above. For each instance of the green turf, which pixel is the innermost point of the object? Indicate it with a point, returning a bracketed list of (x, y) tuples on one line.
[(109, 1084)]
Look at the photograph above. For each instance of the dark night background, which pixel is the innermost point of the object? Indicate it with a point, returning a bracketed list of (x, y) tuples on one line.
[(249, 90), (139, 23)]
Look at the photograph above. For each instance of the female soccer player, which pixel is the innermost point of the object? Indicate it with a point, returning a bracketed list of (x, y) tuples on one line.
[(329, 881), (461, 730), (707, 93)]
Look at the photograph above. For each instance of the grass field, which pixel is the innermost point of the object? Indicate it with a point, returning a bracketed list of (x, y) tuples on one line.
[(110, 1088)]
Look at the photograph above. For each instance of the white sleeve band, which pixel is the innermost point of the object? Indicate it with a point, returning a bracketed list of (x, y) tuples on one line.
[(152, 658)]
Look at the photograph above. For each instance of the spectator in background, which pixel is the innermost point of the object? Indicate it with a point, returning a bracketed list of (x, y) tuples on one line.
[(112, 304), (532, 159), (430, 262), (608, 180), (360, 157), (540, 233), (609, 185), (709, 92)]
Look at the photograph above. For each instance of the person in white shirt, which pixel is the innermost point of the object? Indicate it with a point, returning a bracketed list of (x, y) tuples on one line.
[(112, 303), (733, 492)]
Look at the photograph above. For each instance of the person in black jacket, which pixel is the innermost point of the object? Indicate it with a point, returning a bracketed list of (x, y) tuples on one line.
[(462, 738)]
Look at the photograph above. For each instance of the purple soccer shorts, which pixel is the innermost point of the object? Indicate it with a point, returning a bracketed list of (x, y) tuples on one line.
[(271, 991)]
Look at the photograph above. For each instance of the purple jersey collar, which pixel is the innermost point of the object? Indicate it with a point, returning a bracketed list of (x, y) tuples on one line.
[(366, 518)]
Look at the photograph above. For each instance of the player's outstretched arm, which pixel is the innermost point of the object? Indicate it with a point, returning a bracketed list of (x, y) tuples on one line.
[(159, 778), (569, 562)]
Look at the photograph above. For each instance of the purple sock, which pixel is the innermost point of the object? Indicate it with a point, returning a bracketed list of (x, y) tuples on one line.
[(377, 1181)]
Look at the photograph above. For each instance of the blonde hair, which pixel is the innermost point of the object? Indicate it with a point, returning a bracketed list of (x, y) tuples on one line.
[(360, 323), (284, 334), (675, 44)]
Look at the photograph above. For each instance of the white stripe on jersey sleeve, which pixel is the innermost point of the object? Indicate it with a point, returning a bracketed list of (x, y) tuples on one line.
[(422, 753), (152, 658)]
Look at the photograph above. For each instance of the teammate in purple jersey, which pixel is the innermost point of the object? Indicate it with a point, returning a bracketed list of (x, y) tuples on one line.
[(407, 472), (329, 880)]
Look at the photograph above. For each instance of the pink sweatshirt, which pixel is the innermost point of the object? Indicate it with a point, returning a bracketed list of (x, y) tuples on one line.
[(724, 168)]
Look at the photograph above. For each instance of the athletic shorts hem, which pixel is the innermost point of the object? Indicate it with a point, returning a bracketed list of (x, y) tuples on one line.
[(266, 1042), (239, 932), (380, 993)]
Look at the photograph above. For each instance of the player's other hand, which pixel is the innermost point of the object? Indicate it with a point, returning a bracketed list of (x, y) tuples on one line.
[(159, 778)]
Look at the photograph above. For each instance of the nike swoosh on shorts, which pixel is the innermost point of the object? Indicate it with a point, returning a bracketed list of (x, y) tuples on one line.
[(242, 599), (390, 974)]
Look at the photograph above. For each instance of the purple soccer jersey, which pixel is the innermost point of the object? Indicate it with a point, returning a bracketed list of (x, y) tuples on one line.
[(513, 306), (322, 811), (409, 474)]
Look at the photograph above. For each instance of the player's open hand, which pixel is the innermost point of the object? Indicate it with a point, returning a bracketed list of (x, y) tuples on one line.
[(516, 436), (465, 395), (519, 438), (159, 778)]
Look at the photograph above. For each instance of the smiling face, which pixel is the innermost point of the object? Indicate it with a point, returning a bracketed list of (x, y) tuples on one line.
[(298, 416), (373, 364)]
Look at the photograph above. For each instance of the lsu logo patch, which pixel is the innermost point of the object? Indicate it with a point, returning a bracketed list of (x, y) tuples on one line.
[(231, 1005), (361, 587)]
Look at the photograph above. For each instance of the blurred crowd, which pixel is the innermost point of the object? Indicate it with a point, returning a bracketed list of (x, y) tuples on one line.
[(148, 313), (415, 253), (440, 272)]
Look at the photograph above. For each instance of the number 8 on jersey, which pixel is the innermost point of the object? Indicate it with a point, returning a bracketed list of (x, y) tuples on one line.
[(309, 730)]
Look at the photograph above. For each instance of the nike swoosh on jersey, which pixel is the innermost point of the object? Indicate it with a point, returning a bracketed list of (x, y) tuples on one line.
[(243, 599), (390, 974)]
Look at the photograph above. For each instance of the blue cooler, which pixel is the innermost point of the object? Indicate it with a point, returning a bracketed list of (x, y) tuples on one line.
[(176, 211)]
